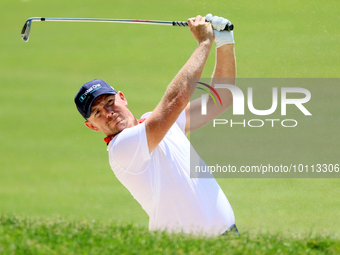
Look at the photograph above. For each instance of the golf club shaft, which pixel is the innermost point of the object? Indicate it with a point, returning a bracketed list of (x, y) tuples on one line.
[(156, 22), (104, 20), (26, 29)]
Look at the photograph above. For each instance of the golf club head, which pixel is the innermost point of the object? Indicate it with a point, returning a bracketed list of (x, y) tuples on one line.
[(25, 32)]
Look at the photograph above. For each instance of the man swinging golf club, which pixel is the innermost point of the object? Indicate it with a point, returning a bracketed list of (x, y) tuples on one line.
[(151, 156)]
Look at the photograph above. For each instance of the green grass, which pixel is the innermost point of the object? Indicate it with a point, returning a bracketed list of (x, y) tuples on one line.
[(59, 236), (50, 164)]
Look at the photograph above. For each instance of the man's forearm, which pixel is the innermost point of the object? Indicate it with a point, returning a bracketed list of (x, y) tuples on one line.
[(225, 62), (177, 94), (180, 86)]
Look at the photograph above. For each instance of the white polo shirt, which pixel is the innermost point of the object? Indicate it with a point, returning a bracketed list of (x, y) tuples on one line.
[(160, 181)]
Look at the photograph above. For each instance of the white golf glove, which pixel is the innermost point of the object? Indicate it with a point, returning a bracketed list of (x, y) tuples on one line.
[(221, 37)]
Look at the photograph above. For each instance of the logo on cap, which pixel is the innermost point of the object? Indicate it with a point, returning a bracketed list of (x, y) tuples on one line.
[(90, 90)]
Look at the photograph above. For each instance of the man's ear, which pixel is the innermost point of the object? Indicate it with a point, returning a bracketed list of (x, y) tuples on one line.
[(122, 97), (91, 126)]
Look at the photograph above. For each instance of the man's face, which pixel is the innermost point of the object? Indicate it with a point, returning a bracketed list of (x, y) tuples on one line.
[(110, 115)]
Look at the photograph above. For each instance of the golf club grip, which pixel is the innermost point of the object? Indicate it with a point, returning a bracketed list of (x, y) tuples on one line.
[(228, 27)]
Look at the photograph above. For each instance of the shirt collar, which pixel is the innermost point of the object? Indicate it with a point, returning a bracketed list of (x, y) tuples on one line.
[(109, 138)]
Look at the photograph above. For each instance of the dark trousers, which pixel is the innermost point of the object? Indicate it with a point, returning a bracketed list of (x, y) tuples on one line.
[(232, 231)]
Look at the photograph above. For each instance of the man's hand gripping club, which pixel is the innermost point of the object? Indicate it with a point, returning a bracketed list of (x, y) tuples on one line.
[(200, 29), (221, 37)]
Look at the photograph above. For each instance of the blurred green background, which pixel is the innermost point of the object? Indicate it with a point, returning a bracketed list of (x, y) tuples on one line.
[(52, 164)]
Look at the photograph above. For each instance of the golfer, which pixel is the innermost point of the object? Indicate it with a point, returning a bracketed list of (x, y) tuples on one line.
[(151, 156)]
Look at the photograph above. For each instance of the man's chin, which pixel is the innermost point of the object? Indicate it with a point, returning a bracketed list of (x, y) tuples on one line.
[(118, 127)]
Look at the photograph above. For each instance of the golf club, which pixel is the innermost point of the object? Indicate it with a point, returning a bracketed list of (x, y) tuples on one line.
[(25, 32)]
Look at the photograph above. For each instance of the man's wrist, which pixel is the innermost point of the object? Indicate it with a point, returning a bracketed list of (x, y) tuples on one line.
[(207, 42), (226, 48)]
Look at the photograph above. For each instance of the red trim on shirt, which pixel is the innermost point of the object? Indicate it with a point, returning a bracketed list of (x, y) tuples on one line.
[(108, 139)]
